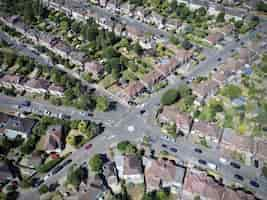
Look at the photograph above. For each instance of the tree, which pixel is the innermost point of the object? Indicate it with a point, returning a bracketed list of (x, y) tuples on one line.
[(184, 90), (102, 103), (137, 48), (76, 27), (220, 17), (201, 11), (126, 147), (9, 58), (186, 45), (173, 5), (43, 189), (75, 176), (169, 97), (231, 91), (96, 163), (162, 195), (110, 53), (261, 6)]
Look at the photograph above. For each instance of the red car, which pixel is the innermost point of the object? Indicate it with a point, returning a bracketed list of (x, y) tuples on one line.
[(88, 146)]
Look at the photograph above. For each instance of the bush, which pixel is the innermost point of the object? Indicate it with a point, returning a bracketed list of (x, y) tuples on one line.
[(49, 165), (232, 91), (96, 163), (170, 97), (43, 189)]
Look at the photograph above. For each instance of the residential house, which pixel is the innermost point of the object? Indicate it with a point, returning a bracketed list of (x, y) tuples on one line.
[(156, 19), (127, 8), (163, 174), (133, 90), (112, 5), (199, 184), (106, 23), (95, 68), (5, 173), (245, 55), (227, 29), (62, 49), (56, 90), (151, 79), (19, 127), (168, 114), (119, 29), (3, 121), (167, 66), (53, 139), (103, 3), (232, 142), (77, 57), (10, 81), (260, 150), (140, 13), (111, 177), (214, 38), (147, 43), (206, 130), (183, 122), (172, 24), (37, 86), (183, 56), (135, 32), (47, 40), (221, 77), (172, 114), (130, 168), (30, 163), (204, 90)]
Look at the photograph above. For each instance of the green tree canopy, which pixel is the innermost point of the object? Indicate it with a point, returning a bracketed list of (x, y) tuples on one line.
[(96, 163), (170, 97)]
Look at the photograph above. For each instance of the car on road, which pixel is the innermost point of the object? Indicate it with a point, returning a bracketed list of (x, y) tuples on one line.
[(174, 150), (238, 177), (25, 103), (235, 165), (37, 182), (142, 111), (164, 146), (222, 160), (254, 183), (212, 166), (219, 59), (198, 150), (203, 162), (88, 146)]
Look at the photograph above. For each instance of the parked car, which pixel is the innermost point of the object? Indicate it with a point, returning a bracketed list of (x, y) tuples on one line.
[(238, 177), (142, 112), (88, 146), (36, 182), (222, 160), (167, 138), (173, 149), (212, 166), (198, 150), (235, 165), (164, 145), (203, 162), (25, 103), (254, 183)]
